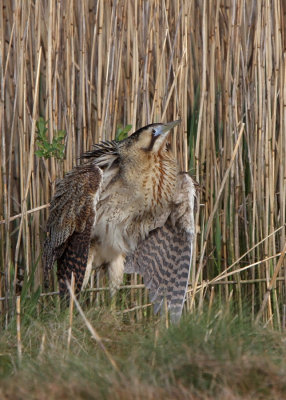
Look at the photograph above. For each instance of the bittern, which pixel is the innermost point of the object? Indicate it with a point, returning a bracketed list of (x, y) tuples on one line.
[(128, 207)]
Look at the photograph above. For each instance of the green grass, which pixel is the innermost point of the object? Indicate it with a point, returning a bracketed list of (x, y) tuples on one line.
[(207, 356)]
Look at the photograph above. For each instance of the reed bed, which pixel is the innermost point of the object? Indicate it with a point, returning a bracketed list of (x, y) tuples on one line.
[(88, 67)]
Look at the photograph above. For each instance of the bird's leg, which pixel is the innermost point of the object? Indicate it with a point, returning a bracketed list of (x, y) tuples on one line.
[(115, 272)]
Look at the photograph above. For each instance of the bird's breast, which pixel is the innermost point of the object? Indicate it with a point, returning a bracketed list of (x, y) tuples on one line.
[(130, 206)]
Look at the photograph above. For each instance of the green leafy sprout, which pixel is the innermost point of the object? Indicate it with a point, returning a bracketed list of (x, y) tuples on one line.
[(45, 148), (122, 132)]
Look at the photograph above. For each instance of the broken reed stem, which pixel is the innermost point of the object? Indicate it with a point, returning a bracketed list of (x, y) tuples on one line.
[(3, 221), (19, 342), (248, 251), (93, 332), (136, 308), (237, 271), (71, 312)]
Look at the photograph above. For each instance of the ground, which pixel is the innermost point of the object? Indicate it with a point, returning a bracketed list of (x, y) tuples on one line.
[(215, 354)]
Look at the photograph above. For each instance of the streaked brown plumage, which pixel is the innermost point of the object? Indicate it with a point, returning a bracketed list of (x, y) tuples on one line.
[(129, 208)]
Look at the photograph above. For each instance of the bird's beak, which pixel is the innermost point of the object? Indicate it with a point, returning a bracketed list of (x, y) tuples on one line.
[(165, 128), (171, 125)]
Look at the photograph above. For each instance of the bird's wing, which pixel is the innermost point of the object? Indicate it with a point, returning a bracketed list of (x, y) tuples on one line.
[(164, 257), (72, 214)]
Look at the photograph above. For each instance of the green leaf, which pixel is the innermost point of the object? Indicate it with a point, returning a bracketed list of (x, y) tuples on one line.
[(39, 153), (122, 133), (45, 148)]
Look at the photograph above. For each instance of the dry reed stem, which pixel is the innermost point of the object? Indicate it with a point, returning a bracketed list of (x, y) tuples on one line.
[(214, 210), (93, 332), (19, 342), (271, 283), (71, 312), (29, 173), (237, 271), (211, 301), (136, 308), (27, 213), (248, 251)]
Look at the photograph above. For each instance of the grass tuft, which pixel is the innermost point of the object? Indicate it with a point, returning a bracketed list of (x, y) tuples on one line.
[(205, 356)]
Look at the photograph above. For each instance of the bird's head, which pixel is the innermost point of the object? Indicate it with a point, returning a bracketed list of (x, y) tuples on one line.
[(150, 139), (147, 162), (141, 148)]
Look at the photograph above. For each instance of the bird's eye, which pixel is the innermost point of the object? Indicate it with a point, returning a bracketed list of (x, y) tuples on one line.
[(154, 131)]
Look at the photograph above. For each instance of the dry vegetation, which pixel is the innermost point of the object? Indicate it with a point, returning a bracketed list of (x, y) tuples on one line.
[(208, 356), (87, 67)]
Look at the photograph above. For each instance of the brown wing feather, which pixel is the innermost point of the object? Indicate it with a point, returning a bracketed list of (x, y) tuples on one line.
[(72, 214), (74, 259), (164, 257)]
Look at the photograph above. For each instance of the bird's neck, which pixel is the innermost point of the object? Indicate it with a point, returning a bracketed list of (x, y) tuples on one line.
[(157, 180)]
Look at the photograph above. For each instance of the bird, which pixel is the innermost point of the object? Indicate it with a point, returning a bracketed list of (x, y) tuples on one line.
[(130, 208)]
